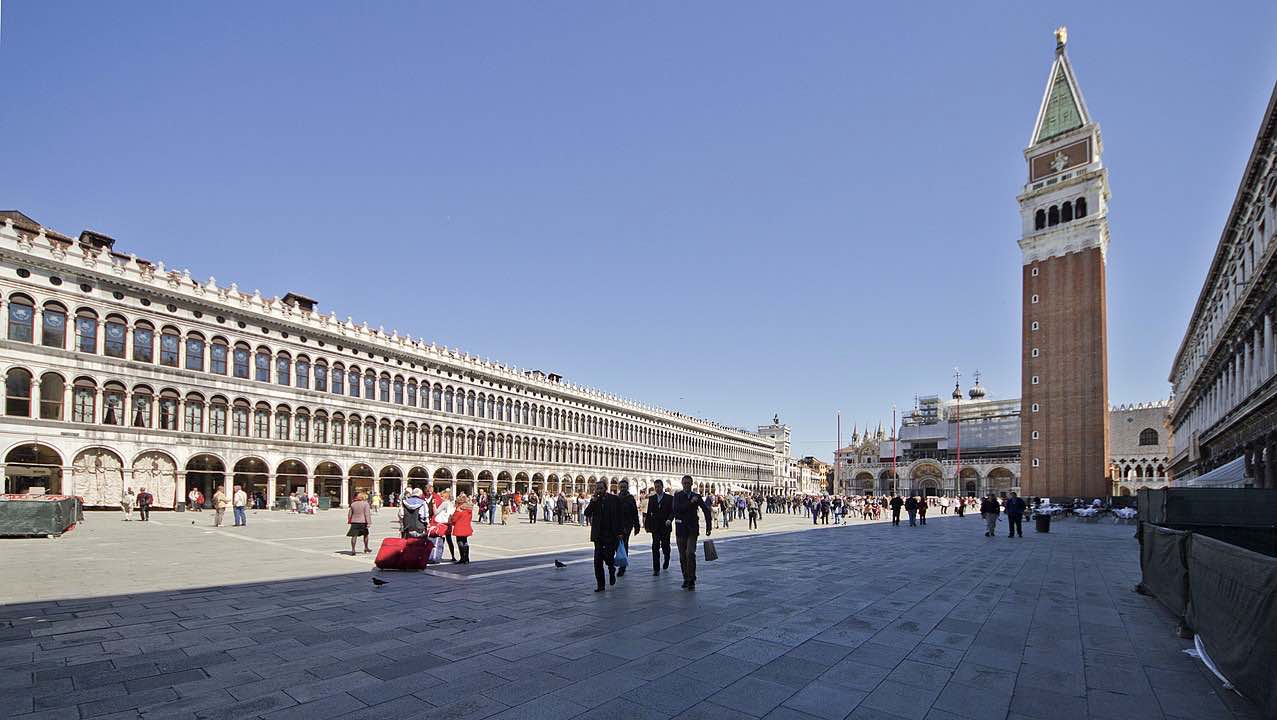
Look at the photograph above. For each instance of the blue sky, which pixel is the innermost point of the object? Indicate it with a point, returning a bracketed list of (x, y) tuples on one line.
[(732, 209)]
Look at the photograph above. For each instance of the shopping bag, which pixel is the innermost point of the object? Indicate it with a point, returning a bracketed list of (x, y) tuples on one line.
[(711, 553), (436, 552), (620, 558)]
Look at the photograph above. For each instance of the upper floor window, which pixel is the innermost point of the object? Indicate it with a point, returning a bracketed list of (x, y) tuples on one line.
[(168, 410), (53, 328), (284, 369), (17, 392), (115, 338), (193, 416), (83, 409), (1039, 220), (370, 382), (1053, 216), (398, 391), (21, 319), (383, 388), (1148, 436), (217, 417), (1066, 212), (1079, 207), (262, 365), (52, 389), (169, 344), (239, 419), (261, 422), (217, 357), (194, 353), (412, 394), (338, 378), (113, 404), (143, 343), (321, 377), (303, 373), (438, 397), (353, 381), (241, 360), (141, 407), (86, 332)]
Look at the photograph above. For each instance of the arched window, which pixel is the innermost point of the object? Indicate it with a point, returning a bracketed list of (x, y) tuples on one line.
[(412, 437), (338, 377), (470, 404), (194, 351), (113, 404), (83, 401), (301, 424), (1079, 207), (398, 436), (17, 392), (353, 378), (168, 410), (1053, 216), (53, 327), (170, 345), (303, 372), (412, 393), (321, 376), (370, 385), (21, 319), (1148, 436), (321, 428), (370, 433), (353, 426), (261, 363), (115, 336), (193, 413), (86, 331), (52, 388), (1066, 211), (483, 405), (438, 397), (217, 411), (383, 436), (283, 422), (144, 342), (383, 388), (339, 427), (142, 402), (240, 360), (261, 421), (398, 391), (217, 354), (239, 418), (283, 369), (447, 399)]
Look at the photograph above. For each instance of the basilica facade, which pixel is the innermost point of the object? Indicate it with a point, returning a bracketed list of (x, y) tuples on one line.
[(121, 373)]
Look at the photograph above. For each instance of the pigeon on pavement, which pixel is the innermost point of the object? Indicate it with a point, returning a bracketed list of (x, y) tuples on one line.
[(378, 582), (559, 564)]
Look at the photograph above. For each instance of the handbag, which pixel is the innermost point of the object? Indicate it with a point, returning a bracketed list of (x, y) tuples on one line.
[(711, 553), (620, 558)]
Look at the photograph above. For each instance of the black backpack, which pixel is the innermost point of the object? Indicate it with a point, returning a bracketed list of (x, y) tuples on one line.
[(412, 524)]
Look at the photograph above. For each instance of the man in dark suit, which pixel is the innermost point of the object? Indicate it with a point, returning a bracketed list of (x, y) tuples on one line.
[(659, 520), (627, 513), (604, 515), (687, 527)]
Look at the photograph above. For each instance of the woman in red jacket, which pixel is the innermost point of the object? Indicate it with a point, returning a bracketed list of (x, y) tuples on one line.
[(461, 526)]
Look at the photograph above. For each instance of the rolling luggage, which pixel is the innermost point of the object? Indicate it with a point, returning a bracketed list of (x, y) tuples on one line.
[(403, 553)]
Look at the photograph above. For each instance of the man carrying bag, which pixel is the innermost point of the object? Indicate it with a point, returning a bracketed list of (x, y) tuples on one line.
[(687, 528)]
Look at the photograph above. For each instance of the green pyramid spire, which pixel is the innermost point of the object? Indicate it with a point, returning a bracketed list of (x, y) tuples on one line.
[(1062, 113)]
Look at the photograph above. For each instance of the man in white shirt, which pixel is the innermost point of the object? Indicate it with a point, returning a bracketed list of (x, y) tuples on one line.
[(239, 501)]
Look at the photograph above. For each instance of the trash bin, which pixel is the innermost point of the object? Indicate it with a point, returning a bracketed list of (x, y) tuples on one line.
[(1042, 522)]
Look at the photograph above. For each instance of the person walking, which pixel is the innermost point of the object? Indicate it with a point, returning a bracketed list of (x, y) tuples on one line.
[(1015, 515), (911, 507), (896, 504), (628, 515), (989, 511), (533, 502), (193, 499), (658, 520), (922, 510), (443, 509), (239, 502), (560, 507), (144, 502), (961, 507), (219, 506), (462, 528), (687, 502), (375, 502), (605, 532), (359, 518), (752, 509), (126, 503)]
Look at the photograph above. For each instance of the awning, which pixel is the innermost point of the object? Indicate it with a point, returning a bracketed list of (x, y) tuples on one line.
[(1230, 474)]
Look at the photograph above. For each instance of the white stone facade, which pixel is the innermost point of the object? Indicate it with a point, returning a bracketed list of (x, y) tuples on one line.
[(1140, 443), (122, 373)]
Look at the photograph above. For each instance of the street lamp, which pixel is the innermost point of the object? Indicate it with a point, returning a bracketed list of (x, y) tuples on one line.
[(957, 397)]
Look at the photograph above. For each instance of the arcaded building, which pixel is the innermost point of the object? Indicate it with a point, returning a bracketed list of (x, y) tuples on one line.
[(1225, 413), (120, 372)]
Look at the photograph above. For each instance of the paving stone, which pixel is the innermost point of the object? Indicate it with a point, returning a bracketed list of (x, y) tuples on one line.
[(753, 695), (825, 701)]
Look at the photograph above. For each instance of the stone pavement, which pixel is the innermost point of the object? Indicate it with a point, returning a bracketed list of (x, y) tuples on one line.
[(866, 621)]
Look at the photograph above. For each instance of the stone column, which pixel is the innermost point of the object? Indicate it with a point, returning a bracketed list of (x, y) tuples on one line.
[(345, 490), (310, 485), (1270, 464), (270, 490), (1270, 359)]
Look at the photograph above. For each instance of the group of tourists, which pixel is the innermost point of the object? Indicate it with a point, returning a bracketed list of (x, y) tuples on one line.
[(142, 499)]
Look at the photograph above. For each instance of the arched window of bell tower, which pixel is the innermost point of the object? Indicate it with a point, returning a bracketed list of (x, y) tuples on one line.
[(1039, 220), (1053, 216), (1079, 208), (1066, 212)]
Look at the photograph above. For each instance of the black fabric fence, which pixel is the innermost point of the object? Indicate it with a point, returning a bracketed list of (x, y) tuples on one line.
[(1233, 607), (1245, 517), (38, 516), (1164, 563)]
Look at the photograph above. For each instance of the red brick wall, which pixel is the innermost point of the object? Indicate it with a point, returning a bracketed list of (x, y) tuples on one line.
[(1072, 371)]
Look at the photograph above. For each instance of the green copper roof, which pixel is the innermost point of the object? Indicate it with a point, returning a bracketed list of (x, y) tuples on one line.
[(1062, 113)]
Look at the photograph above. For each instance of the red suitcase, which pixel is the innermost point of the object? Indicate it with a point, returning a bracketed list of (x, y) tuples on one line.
[(403, 553)]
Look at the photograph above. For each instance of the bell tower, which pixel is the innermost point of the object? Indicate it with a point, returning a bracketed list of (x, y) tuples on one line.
[(1064, 240)]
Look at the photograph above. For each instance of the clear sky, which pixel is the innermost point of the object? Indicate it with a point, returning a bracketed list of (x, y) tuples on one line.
[(733, 209)]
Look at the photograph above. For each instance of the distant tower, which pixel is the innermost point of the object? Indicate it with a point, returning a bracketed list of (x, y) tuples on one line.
[(1064, 211)]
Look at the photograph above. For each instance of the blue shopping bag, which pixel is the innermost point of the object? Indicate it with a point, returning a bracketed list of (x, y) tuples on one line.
[(620, 558)]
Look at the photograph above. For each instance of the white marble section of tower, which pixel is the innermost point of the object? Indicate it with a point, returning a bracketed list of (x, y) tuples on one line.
[(1065, 167)]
